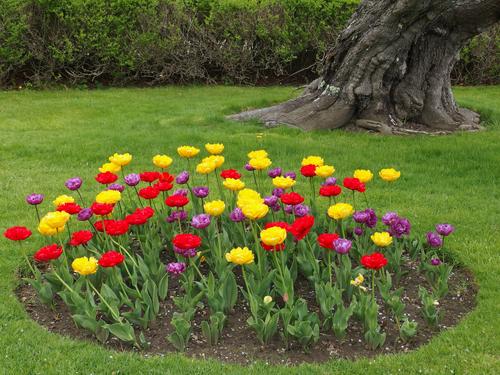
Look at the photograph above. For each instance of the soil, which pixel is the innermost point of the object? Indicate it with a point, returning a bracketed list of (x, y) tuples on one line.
[(239, 344)]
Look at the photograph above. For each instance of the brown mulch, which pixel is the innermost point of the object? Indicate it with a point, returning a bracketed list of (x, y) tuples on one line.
[(239, 344)]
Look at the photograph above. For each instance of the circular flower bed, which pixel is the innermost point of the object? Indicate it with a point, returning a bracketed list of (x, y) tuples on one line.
[(215, 264)]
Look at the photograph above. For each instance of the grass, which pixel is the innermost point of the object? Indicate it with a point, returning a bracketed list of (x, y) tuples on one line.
[(49, 136)]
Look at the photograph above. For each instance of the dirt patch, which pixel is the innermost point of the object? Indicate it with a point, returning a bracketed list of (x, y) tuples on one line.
[(238, 343)]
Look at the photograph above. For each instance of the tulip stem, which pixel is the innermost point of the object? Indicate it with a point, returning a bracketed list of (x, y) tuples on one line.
[(125, 250), (373, 285), (282, 275), (27, 259), (138, 197), (219, 186), (131, 280), (366, 200), (103, 300), (243, 233), (245, 280), (64, 283), (258, 250), (62, 247), (219, 234), (329, 258), (81, 198), (255, 180), (202, 278), (37, 213)]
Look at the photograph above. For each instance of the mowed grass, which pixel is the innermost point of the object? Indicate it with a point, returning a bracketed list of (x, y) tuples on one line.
[(49, 136)]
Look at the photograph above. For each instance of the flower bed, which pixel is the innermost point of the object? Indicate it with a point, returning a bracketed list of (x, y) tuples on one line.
[(218, 255)]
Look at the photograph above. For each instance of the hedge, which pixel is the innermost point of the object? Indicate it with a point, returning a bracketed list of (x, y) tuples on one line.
[(119, 42)]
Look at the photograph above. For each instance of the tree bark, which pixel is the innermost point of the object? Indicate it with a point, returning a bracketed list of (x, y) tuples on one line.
[(390, 70)]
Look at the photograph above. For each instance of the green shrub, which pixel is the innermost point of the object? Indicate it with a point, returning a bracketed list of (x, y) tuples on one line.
[(181, 41)]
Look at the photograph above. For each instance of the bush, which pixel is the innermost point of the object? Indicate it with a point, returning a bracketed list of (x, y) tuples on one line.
[(180, 41)]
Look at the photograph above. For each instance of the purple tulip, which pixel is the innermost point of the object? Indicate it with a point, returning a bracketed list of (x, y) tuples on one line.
[(200, 221), (176, 268), (358, 231), (73, 183), (360, 217), (291, 174), (389, 217), (367, 217), (132, 179), (300, 210), (434, 239), (177, 216), (435, 261), (372, 220), (330, 181), (270, 200), (274, 172), (400, 227), (189, 253), (200, 191), (85, 214), (237, 215), (275, 207), (183, 192), (182, 178), (288, 209), (116, 187), (249, 168), (445, 229), (342, 246), (278, 192), (34, 199)]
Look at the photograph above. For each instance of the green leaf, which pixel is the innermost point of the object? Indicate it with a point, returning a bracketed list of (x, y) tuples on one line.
[(124, 331), (163, 287)]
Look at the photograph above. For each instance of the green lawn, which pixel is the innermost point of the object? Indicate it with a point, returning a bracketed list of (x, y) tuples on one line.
[(48, 136)]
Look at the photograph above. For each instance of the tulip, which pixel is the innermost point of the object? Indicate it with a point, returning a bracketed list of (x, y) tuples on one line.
[(240, 256), (381, 239), (73, 183)]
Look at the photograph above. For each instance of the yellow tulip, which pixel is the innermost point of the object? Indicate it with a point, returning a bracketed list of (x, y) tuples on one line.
[(389, 174), (340, 211), (233, 184), (206, 167), (187, 151), (214, 148), (255, 211), (85, 266), (358, 280), (258, 154), (162, 161), (261, 163), (62, 199), (240, 256), (110, 167), (273, 236), (363, 175), (56, 219), (47, 230), (314, 160), (248, 197), (108, 196), (214, 208), (381, 239), (218, 160), (283, 182), (325, 171), (120, 159)]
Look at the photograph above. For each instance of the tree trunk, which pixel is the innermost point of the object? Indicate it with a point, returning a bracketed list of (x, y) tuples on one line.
[(390, 70)]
